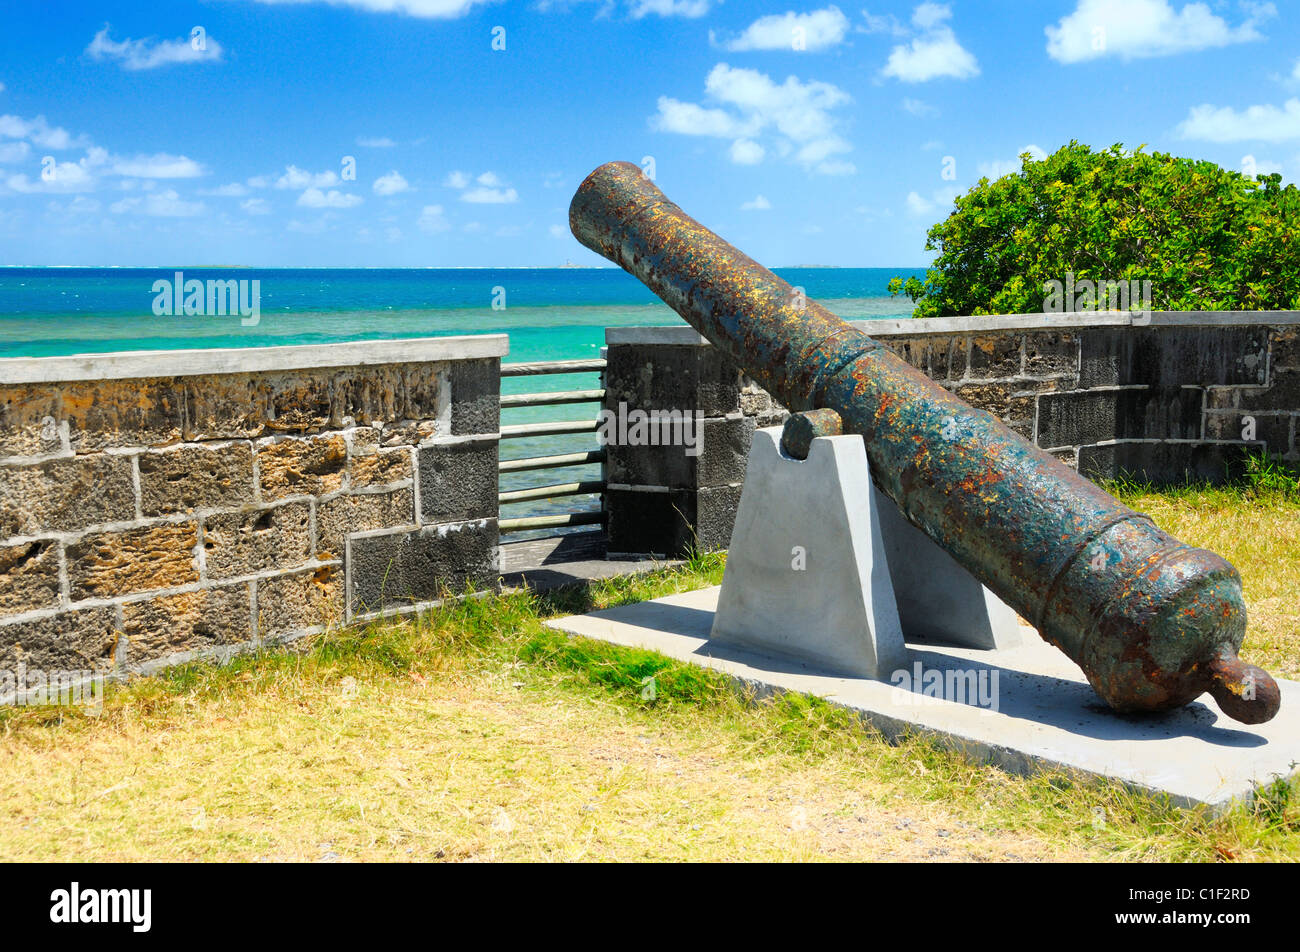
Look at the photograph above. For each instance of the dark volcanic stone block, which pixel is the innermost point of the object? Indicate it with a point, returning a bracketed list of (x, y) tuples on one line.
[(686, 377), (670, 524), (402, 568), (1273, 431), (715, 516), (475, 396), (1173, 356), (1071, 419), (458, 481), (725, 451), (1164, 464), (645, 521)]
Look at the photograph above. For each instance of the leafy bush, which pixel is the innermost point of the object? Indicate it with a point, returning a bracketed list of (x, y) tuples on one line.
[(1205, 237)]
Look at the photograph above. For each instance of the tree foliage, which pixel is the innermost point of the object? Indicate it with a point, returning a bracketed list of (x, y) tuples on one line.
[(1205, 237)]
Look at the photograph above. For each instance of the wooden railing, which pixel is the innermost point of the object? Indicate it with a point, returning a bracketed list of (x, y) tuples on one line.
[(520, 431)]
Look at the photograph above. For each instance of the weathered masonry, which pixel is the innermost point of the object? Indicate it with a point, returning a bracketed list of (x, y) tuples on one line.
[(1179, 396), (158, 505)]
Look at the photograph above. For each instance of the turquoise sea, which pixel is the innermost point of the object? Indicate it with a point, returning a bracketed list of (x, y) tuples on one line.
[(549, 314)]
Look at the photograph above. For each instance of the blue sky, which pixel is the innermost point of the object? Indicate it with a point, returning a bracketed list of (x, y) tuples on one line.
[(379, 133)]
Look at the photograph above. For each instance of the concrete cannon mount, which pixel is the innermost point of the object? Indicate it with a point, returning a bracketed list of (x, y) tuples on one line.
[(1046, 714), (892, 629)]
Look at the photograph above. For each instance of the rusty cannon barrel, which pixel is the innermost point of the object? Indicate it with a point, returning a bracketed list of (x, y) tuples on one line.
[(1153, 623)]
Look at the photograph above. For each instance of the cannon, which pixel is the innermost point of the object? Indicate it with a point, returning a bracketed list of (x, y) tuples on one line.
[(1152, 622)]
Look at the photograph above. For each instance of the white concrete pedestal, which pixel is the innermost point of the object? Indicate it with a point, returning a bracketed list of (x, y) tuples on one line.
[(823, 568)]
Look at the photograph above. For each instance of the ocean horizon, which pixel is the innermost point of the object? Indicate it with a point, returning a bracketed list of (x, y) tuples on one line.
[(549, 313)]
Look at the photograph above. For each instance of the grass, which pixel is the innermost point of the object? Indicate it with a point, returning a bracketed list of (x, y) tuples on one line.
[(474, 732)]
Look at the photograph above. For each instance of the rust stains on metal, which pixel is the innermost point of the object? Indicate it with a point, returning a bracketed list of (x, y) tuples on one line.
[(1152, 622)]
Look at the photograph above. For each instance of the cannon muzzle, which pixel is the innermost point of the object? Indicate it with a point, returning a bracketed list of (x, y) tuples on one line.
[(1153, 623)]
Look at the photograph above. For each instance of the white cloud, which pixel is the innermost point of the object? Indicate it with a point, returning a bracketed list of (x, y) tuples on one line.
[(1000, 167), (491, 189), (40, 133), (13, 152), (1253, 166), (688, 118), (296, 179), (60, 178), (1264, 123), (758, 204), (490, 196), (919, 107), (1134, 29), (379, 142), (747, 152), (390, 184), (166, 204), (150, 53), (558, 231), (817, 30), (161, 165), (882, 24), (918, 205), (316, 198), (795, 115), (432, 219), (669, 8), (428, 9), (1295, 73), (935, 54), (255, 206)]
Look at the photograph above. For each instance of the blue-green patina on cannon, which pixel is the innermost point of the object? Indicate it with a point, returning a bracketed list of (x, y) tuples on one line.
[(1153, 623)]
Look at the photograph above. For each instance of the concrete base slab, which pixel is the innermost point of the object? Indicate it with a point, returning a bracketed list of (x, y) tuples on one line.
[(1021, 708)]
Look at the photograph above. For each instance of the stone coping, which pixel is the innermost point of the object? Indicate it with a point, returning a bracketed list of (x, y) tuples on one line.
[(232, 360), (681, 334)]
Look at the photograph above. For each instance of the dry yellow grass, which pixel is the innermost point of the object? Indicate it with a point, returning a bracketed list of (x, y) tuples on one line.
[(465, 766), (477, 734)]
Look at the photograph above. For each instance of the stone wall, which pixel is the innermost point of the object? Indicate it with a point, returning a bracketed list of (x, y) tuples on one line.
[(159, 506), (1174, 397)]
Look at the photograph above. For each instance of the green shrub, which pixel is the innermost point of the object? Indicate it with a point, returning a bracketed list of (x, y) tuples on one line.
[(1204, 237)]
